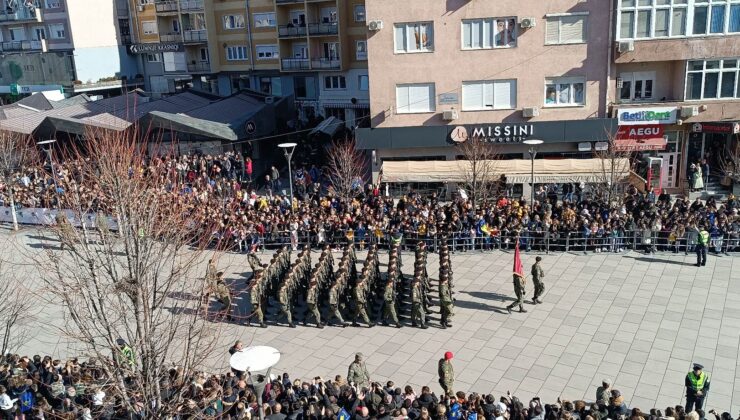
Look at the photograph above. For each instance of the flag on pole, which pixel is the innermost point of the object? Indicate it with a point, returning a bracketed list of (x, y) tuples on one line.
[(518, 269)]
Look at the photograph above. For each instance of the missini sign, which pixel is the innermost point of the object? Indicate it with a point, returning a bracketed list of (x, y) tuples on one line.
[(494, 133)]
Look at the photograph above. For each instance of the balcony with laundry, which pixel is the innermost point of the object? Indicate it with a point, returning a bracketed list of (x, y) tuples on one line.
[(14, 11)]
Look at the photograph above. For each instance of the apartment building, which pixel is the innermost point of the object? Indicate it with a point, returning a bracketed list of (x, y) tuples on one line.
[(443, 71), (677, 90)]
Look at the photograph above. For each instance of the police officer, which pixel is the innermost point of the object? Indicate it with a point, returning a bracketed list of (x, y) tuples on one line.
[(389, 304), (702, 242), (334, 305), (519, 290), (311, 306), (284, 300), (417, 307), (445, 302), (360, 302), (697, 386), (538, 276)]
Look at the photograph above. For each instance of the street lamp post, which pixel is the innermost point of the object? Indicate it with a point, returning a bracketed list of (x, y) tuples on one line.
[(47, 150), (288, 149), (532, 143)]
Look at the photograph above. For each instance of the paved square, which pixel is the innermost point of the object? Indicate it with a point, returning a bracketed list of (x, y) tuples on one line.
[(639, 320)]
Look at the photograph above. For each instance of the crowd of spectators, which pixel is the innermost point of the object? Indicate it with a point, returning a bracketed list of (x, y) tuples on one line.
[(254, 212)]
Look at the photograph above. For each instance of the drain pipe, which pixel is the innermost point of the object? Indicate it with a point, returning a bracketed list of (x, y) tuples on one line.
[(609, 55), (249, 34)]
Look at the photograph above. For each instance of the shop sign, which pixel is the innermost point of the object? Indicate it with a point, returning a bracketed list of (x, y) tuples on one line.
[(719, 128), (155, 48), (449, 99), (652, 115), (493, 133), (640, 132)]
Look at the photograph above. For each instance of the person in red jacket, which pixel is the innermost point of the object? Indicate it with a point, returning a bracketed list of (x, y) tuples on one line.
[(248, 168)]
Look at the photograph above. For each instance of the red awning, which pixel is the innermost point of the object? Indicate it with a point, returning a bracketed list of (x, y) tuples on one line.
[(636, 145)]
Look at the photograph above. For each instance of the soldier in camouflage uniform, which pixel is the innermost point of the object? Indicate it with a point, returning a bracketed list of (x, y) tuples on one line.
[(285, 309), (538, 276), (223, 294), (360, 303), (389, 304), (519, 283), (417, 309), (446, 374), (357, 373), (311, 305), (255, 298), (445, 302), (334, 305)]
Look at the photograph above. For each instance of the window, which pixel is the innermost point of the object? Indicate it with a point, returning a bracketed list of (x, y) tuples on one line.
[(267, 52), (53, 4), (488, 95), (712, 79), (360, 13), (361, 50), (416, 97), (153, 58), (17, 34), (335, 82), (364, 82), (39, 33), (264, 20), (204, 55), (331, 50), (57, 31), (637, 86), (488, 33), (673, 18), (149, 27), (414, 37), (236, 53), (304, 87), (566, 29), (565, 91), (233, 21)]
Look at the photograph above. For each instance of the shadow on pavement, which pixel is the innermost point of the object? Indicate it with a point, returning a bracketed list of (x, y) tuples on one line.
[(658, 260)]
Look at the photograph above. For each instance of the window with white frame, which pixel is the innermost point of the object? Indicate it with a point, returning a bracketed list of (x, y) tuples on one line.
[(335, 82), (489, 33), (361, 50), (484, 95), (264, 20), (57, 31), (414, 37), (566, 28), (233, 21), (415, 98), (363, 82), (153, 57), (39, 33), (677, 18), (53, 4), (712, 79), (267, 52), (715, 17), (565, 91), (149, 27), (360, 13), (636, 86), (236, 53)]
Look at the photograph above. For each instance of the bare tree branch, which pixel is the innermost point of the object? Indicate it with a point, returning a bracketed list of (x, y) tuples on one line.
[(614, 163), (481, 177), (16, 151), (347, 168)]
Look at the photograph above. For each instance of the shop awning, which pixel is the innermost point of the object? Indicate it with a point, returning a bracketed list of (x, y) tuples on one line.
[(329, 126), (517, 171), (636, 145)]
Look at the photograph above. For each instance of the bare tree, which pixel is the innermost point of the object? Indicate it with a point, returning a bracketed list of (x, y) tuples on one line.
[(347, 168), (15, 308), (16, 152), (730, 159), (142, 284), (614, 163), (481, 177)]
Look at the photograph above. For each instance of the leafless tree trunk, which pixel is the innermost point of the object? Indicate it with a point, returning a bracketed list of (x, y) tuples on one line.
[(613, 164), (15, 306), (481, 177), (125, 286), (347, 167), (16, 151), (730, 159)]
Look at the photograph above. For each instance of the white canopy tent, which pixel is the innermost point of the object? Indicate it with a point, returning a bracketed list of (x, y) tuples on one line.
[(517, 171)]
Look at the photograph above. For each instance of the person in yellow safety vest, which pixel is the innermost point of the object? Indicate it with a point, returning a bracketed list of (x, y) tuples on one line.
[(697, 386), (702, 243), (126, 353)]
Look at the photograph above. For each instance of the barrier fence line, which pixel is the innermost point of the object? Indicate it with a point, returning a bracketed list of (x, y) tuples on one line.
[(645, 240)]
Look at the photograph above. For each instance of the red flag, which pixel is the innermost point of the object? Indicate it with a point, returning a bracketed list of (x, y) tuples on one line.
[(518, 269)]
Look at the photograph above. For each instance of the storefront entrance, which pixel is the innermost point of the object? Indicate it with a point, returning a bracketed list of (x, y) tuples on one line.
[(709, 146), (670, 169)]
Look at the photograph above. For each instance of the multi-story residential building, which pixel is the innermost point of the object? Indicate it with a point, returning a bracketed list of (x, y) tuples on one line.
[(442, 71), (677, 89)]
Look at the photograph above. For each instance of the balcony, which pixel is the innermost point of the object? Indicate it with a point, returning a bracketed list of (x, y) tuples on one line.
[(291, 31), (287, 64), (199, 68), (196, 36), (21, 14), (166, 7), (323, 28), (191, 5), (170, 37), (326, 64), (22, 45)]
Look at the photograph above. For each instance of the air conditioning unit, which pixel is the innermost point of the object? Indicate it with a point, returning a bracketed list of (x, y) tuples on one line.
[(450, 115), (140, 8), (269, 99), (625, 46), (689, 111), (531, 112), (375, 25), (528, 22)]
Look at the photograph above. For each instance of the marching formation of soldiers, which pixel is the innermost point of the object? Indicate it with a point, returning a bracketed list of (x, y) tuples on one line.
[(295, 280), (445, 286), (265, 281)]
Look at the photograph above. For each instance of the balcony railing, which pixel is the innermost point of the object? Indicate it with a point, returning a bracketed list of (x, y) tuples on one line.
[(21, 45), (288, 1), (287, 31), (166, 6), (191, 5), (170, 37), (326, 63), (323, 28), (200, 35), (199, 68), (295, 64)]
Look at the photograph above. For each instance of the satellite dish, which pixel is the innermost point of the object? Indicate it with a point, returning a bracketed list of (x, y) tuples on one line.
[(255, 358)]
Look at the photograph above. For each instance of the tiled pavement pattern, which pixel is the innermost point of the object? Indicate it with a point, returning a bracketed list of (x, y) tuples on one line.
[(639, 320)]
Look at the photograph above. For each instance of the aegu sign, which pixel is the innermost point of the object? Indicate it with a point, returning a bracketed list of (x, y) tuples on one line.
[(640, 132)]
